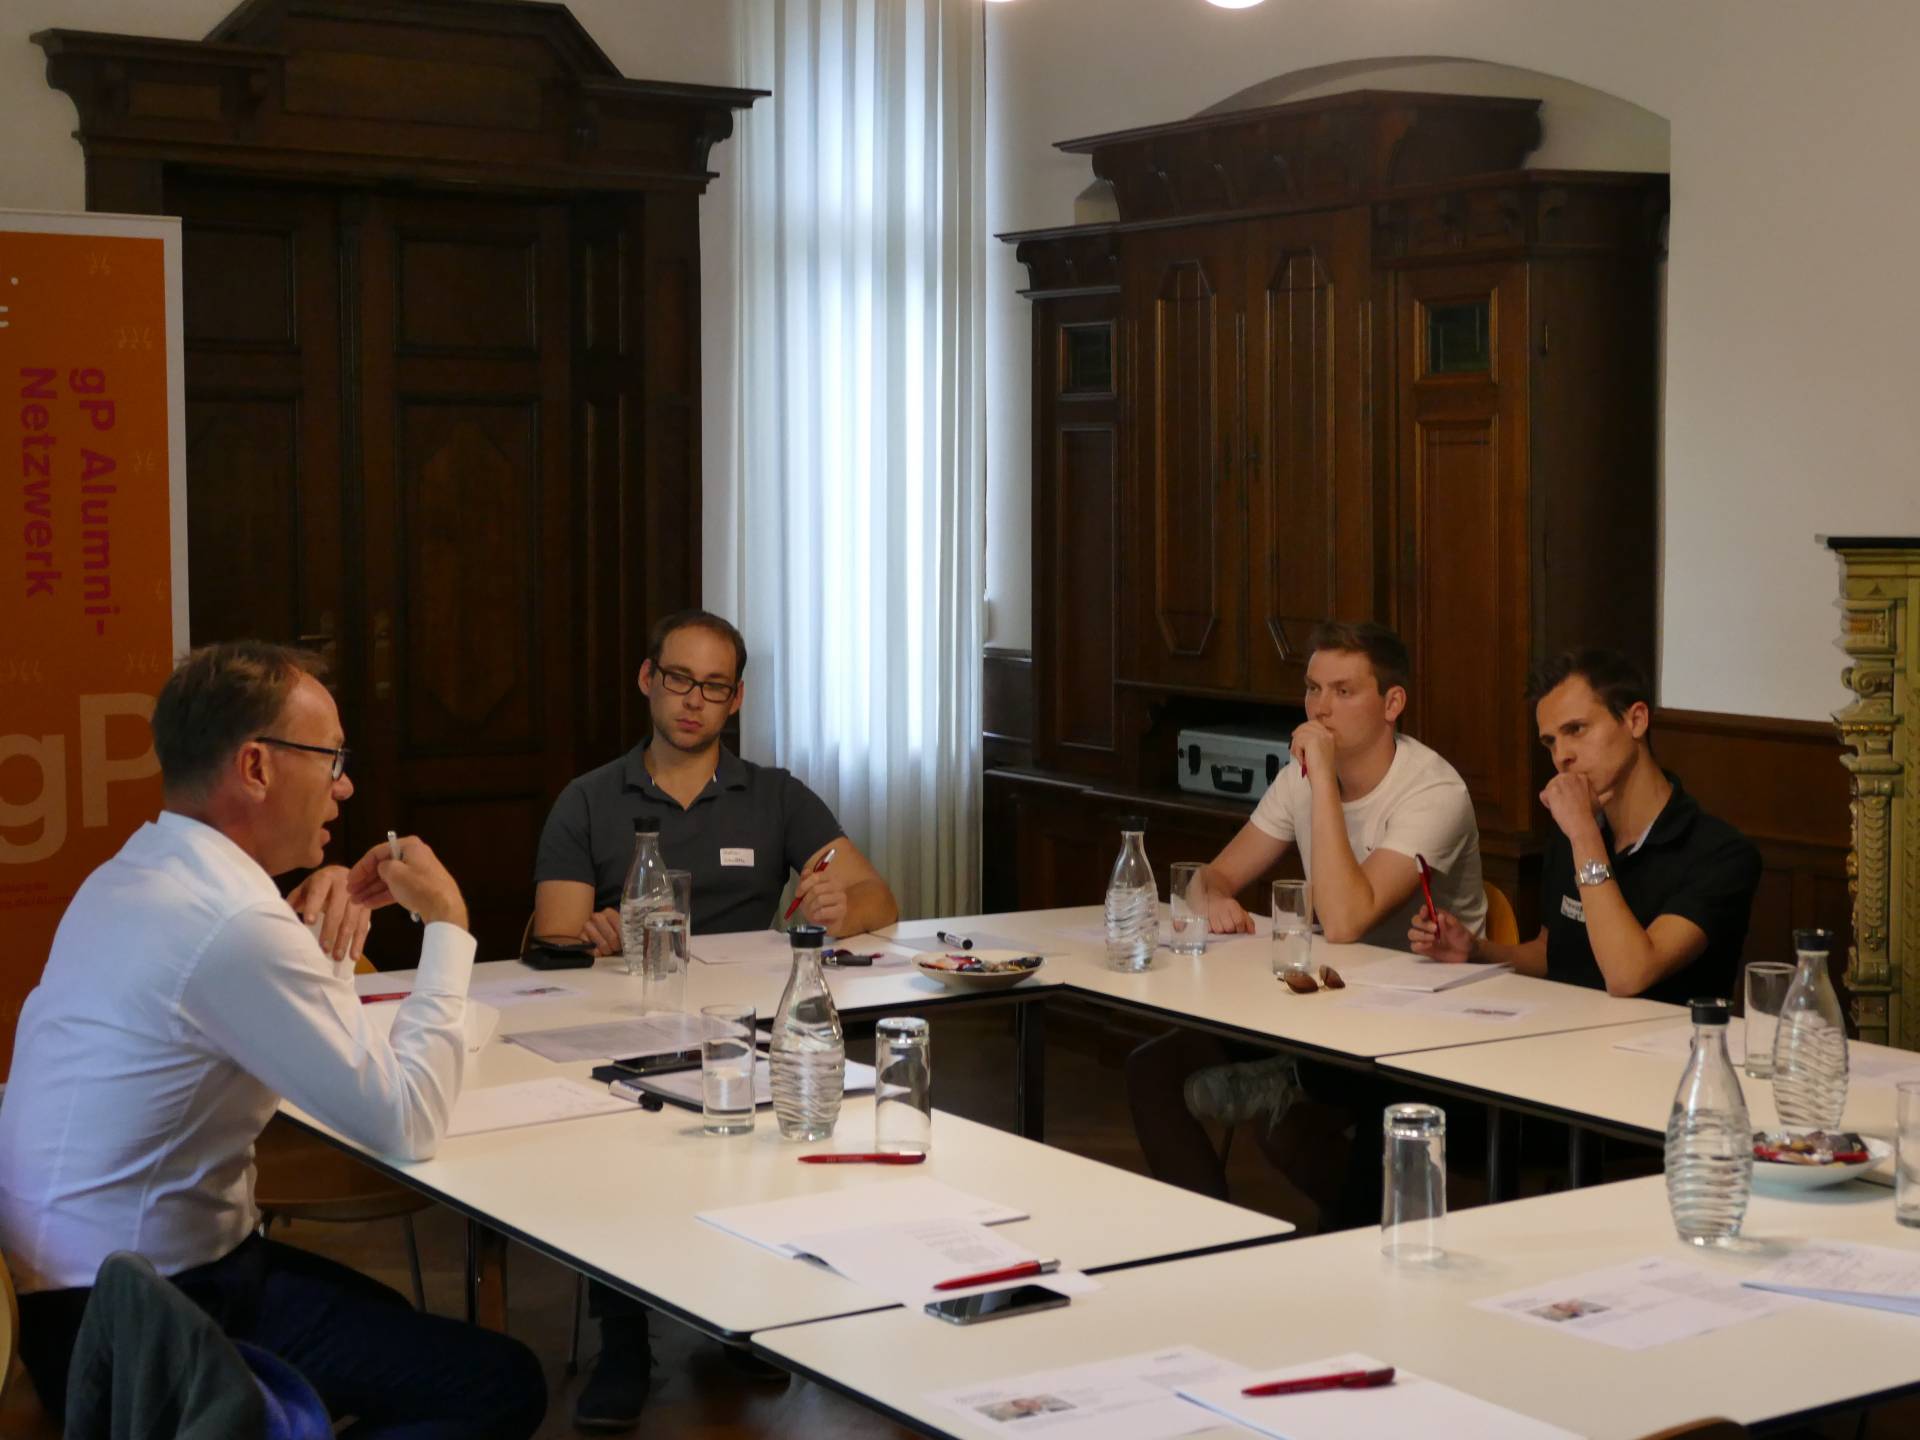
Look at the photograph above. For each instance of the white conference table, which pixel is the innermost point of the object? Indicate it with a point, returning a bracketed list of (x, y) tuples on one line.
[(1320, 1297), (616, 1196), (1583, 1079)]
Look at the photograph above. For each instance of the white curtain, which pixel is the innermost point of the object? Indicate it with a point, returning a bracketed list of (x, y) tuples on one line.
[(857, 504)]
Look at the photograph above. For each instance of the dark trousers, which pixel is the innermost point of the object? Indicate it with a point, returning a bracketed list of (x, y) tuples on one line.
[(1324, 1144), (363, 1348)]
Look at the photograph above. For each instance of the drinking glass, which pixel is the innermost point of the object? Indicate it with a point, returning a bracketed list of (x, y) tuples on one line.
[(1292, 928), (1187, 905), (902, 1086), (727, 1060), (1906, 1180), (1413, 1201), (683, 895), (1767, 983), (663, 962)]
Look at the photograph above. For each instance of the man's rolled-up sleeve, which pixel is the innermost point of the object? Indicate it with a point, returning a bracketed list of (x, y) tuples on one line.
[(264, 994)]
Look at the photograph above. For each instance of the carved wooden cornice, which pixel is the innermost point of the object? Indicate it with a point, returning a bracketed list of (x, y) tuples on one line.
[(502, 94), (1309, 154), (1531, 212), (1074, 260)]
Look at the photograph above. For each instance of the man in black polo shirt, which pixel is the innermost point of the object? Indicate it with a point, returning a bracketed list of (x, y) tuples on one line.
[(739, 828), (1643, 892)]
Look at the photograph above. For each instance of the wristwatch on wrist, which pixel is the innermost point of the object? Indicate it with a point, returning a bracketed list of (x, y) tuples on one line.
[(1593, 872)]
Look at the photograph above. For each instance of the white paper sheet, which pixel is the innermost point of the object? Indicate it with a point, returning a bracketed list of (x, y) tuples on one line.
[(684, 1085), (1466, 1007), (1844, 1274), (882, 1199), (1411, 1405), (1638, 1305), (658, 1034), (530, 1102), (1411, 972), (480, 1020), (1867, 1064), (1128, 1398), (905, 1260), (739, 947), (521, 990)]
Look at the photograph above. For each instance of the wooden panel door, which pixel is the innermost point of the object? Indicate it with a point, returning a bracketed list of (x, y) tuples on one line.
[(467, 717), (1461, 353), (1076, 527), (266, 555), (1185, 576), (1310, 505)]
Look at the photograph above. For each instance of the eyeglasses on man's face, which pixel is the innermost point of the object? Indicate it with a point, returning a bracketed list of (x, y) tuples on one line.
[(679, 682), (339, 753)]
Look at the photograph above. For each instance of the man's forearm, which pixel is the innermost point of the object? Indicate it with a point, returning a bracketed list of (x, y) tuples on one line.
[(1621, 946), (870, 906), (1527, 959), (1342, 894)]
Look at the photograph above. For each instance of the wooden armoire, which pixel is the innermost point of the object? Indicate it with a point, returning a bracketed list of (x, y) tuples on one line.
[(1336, 358)]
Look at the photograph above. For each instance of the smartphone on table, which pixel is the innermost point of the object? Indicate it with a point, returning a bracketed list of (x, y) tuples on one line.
[(996, 1305)]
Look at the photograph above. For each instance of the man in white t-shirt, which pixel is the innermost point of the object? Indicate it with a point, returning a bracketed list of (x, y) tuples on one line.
[(1361, 801)]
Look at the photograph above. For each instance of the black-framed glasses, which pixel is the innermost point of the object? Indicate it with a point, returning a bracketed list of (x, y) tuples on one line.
[(679, 682), (339, 752)]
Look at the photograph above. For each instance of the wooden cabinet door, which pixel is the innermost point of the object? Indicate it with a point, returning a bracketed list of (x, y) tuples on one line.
[(467, 717), (1183, 580), (1461, 359), (1310, 501)]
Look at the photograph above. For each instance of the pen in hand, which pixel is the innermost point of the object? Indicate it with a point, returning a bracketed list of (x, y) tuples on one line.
[(1344, 1380), (394, 853), (816, 870), (1426, 885)]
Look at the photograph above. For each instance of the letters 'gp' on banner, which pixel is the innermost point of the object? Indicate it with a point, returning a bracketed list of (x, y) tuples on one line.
[(93, 576)]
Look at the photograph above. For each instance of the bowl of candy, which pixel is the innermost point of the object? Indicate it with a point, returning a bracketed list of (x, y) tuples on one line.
[(1810, 1159), (979, 969)]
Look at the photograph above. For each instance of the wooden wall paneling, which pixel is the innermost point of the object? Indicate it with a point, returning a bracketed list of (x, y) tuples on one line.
[(597, 581), (1781, 783), (1310, 531), (1007, 706), (1463, 469), (1186, 562)]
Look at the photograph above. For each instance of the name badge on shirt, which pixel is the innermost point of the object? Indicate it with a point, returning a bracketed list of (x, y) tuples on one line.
[(1573, 909), (733, 855)]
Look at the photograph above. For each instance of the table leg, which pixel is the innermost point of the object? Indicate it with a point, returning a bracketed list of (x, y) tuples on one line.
[(1583, 1149), (1030, 1069), (486, 1277), (1503, 1153)]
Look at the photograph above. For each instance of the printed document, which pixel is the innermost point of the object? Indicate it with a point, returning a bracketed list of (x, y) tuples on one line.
[(1411, 1405), (1870, 1275), (530, 1102), (1410, 972), (1638, 1305), (658, 1034), (1867, 1064), (1130, 1398), (1466, 1007), (906, 1259), (777, 1224)]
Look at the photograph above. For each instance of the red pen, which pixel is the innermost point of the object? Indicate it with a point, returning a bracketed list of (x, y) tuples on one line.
[(816, 870), (1012, 1272), (1426, 884), (866, 1157), (394, 995), (1344, 1380)]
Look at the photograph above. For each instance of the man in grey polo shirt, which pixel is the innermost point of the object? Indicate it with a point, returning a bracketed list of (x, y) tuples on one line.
[(740, 828)]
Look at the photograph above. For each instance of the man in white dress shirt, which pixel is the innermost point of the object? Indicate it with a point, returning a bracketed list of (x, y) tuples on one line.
[(182, 1000)]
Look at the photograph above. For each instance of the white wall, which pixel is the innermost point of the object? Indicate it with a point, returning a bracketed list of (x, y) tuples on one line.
[(683, 40), (1789, 334)]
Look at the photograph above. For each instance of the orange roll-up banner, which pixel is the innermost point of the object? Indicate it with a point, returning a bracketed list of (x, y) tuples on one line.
[(93, 574)]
